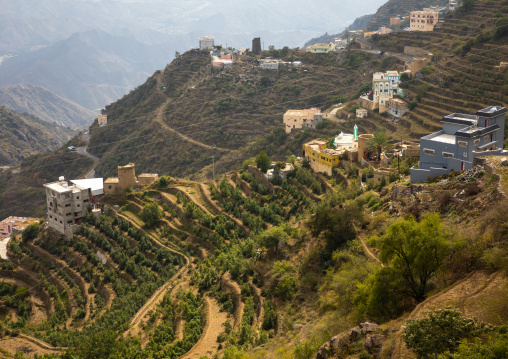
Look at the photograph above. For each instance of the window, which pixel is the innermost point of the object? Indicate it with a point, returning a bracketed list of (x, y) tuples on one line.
[(69, 222), (465, 154), (476, 142), (68, 205), (77, 197), (447, 155), (68, 214), (85, 200), (428, 152), (462, 143), (76, 214), (486, 138), (78, 205)]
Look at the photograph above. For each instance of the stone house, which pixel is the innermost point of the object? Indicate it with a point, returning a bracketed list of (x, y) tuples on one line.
[(127, 179), (462, 138), (361, 113), (299, 119), (397, 107)]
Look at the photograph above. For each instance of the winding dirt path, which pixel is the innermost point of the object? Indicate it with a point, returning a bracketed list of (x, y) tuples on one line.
[(367, 250), (207, 344), (159, 118)]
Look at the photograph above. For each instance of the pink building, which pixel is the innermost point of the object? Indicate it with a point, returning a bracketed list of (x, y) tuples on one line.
[(14, 225)]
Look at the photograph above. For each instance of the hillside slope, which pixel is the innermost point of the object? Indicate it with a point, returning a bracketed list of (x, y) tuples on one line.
[(21, 137), (45, 105), (185, 114)]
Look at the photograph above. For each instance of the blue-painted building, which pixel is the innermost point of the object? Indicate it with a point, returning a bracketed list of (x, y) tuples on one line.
[(462, 138)]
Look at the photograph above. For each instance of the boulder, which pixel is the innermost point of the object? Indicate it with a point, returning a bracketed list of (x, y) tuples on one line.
[(374, 343), (504, 161), (355, 334), (339, 343), (368, 328), (324, 351)]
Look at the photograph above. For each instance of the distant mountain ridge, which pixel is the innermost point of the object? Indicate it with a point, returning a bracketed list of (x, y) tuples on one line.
[(23, 136), (45, 105), (358, 24), (92, 68)]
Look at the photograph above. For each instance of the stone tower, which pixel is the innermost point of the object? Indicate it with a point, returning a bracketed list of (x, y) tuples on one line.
[(256, 46), (126, 177)]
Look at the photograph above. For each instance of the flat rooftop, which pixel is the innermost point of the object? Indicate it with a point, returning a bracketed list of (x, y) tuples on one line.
[(445, 138), (63, 187), (111, 180)]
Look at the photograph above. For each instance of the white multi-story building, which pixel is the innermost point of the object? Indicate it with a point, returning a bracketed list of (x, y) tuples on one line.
[(206, 43), (384, 86), (67, 205)]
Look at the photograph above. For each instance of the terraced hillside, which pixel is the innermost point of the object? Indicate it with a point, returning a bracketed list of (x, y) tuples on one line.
[(462, 76), (167, 289), (398, 8)]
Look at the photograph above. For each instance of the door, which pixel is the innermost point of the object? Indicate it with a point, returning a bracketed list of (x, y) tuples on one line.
[(463, 166)]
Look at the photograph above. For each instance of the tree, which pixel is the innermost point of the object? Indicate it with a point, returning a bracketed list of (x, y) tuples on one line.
[(379, 142), (441, 331), (263, 161), (337, 225), (31, 232), (414, 251), (150, 214), (404, 76)]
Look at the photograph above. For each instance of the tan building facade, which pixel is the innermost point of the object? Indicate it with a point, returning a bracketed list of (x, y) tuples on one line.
[(67, 205), (361, 113), (300, 119), (423, 20), (127, 179), (397, 107), (102, 120)]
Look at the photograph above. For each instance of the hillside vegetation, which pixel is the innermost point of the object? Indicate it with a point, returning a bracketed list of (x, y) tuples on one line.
[(185, 114), (23, 136), (288, 262)]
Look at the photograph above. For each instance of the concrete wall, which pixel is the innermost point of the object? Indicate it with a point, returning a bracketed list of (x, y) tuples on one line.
[(421, 175)]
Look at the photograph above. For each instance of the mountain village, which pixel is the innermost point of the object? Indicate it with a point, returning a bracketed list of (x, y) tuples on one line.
[(276, 256)]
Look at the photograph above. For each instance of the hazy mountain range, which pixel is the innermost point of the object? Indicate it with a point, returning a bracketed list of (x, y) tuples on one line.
[(93, 52)]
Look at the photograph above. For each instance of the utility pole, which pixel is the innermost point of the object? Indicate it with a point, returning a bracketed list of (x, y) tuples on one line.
[(400, 154), (213, 166)]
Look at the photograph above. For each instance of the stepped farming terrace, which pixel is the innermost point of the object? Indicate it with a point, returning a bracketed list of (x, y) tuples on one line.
[(183, 283)]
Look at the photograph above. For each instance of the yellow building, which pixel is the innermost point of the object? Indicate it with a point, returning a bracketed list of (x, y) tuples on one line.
[(321, 159), (127, 179), (321, 48)]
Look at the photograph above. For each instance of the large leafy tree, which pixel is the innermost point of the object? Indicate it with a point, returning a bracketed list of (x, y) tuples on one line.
[(413, 251), (379, 142), (443, 330), (150, 214), (263, 161)]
